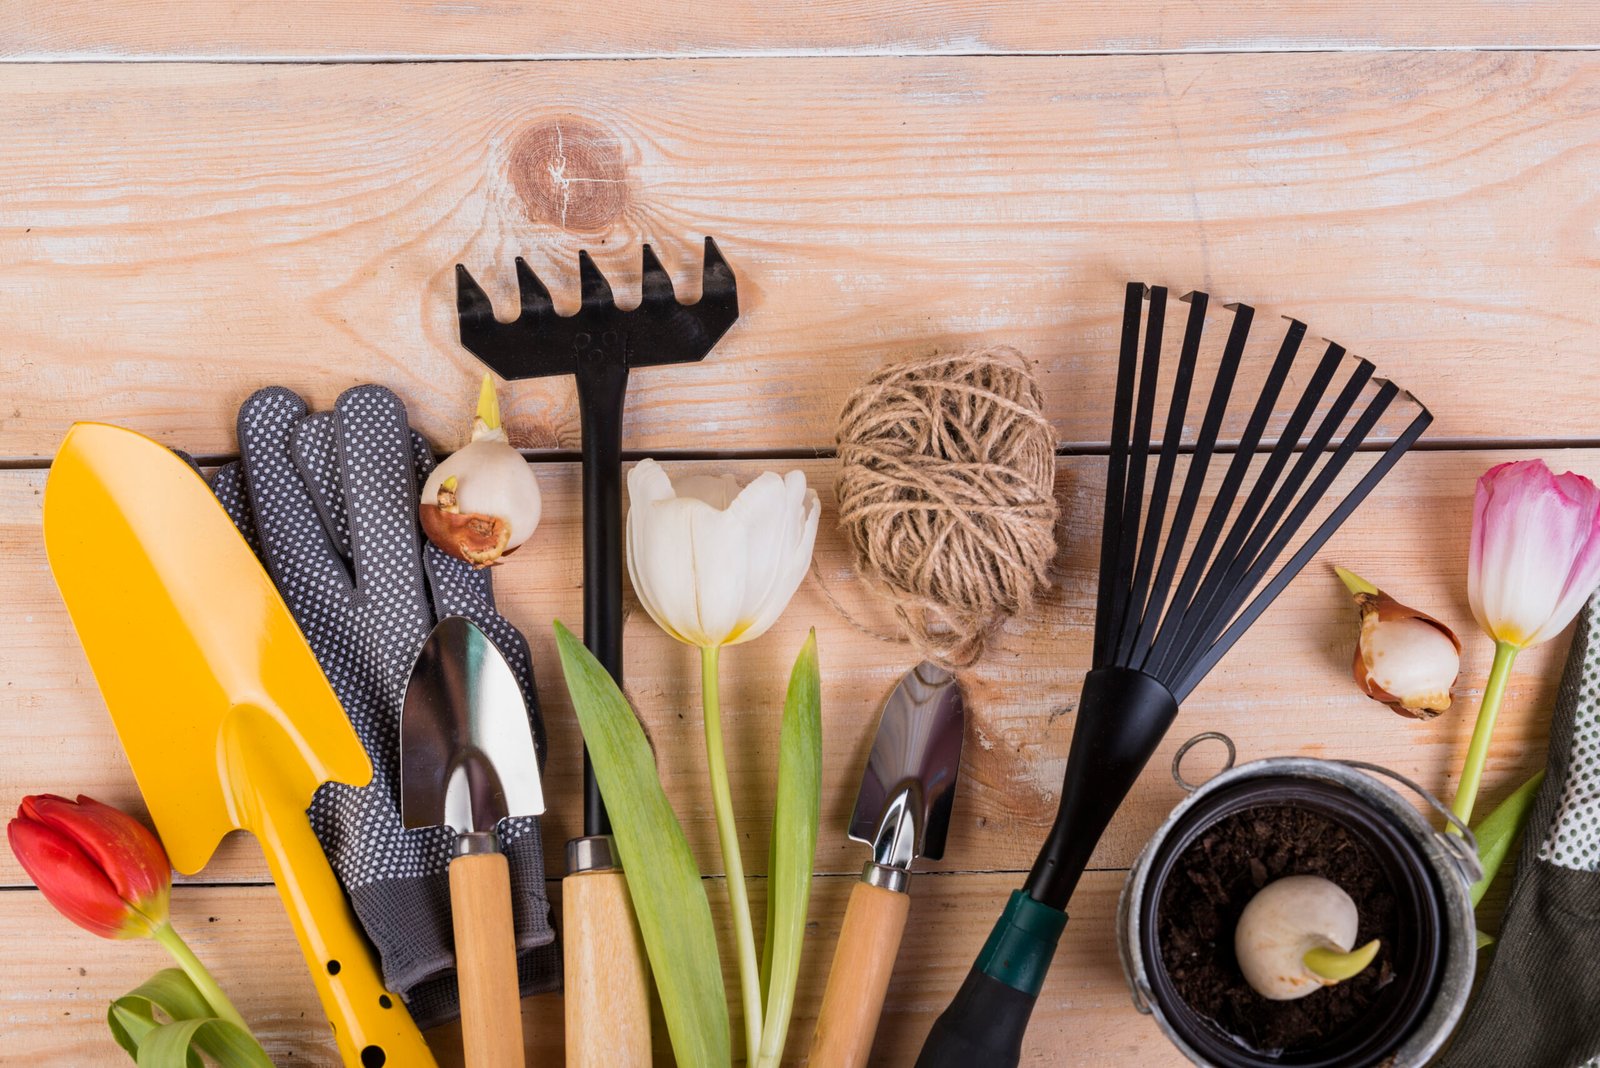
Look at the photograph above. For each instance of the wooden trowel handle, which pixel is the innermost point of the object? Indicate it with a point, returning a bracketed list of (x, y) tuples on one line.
[(868, 944), (486, 961), (370, 1024), (607, 976)]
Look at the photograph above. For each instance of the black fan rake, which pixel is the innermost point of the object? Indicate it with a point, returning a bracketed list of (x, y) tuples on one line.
[(1189, 559)]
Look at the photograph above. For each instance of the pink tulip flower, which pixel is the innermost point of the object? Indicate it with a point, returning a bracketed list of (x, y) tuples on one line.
[(1535, 551), (1535, 559)]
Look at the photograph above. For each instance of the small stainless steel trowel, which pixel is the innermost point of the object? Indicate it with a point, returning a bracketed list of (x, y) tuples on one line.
[(902, 812), (467, 761)]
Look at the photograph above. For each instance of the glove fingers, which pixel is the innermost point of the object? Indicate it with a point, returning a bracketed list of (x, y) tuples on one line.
[(380, 491), (295, 545), (315, 445), (421, 458), (227, 482)]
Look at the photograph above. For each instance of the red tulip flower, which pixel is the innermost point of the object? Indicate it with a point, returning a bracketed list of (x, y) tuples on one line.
[(97, 865), (104, 871)]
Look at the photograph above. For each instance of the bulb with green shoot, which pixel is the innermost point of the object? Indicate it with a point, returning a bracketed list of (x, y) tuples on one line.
[(1296, 937), (483, 501)]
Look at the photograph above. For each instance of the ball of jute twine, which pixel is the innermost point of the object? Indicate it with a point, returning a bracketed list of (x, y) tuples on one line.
[(947, 469)]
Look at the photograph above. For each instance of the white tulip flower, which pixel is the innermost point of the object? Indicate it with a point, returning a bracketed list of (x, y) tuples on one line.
[(714, 564)]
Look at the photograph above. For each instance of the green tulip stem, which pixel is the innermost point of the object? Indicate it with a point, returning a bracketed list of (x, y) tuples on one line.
[(1478, 751), (197, 973), (733, 864)]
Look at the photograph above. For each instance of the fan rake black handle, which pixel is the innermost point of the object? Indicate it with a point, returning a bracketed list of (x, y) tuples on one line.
[(985, 1023), (1122, 716)]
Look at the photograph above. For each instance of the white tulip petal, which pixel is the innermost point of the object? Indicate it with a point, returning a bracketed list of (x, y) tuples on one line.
[(718, 550), (661, 541), (718, 491), (647, 483), (761, 507), (801, 541)]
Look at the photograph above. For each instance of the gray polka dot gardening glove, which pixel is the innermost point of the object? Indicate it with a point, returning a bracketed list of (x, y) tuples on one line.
[(329, 502), (1540, 1003)]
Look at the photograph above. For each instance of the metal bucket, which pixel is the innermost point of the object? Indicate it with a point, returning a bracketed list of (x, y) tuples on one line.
[(1432, 873)]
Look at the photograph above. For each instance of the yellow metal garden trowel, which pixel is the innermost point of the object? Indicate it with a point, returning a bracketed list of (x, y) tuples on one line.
[(227, 719)]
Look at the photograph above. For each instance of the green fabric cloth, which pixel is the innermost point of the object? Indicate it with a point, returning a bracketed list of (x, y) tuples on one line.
[(1539, 1005)]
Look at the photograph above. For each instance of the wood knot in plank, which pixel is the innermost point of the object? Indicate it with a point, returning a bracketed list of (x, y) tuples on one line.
[(570, 173)]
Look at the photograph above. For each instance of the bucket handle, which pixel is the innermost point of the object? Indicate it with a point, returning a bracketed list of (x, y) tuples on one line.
[(1183, 751), (1462, 847)]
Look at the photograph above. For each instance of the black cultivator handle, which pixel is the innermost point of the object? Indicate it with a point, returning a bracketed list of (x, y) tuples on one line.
[(1122, 717), (599, 345)]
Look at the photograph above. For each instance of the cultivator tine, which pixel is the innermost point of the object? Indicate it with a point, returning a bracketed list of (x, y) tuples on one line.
[(536, 303), (593, 288), (655, 285), (472, 304)]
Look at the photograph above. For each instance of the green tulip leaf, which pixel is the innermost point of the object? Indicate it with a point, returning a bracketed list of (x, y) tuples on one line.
[(669, 898), (166, 1022), (1485, 939), (1500, 830), (794, 848)]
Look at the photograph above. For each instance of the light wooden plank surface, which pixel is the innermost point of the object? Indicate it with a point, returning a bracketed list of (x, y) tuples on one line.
[(54, 1009), (175, 235), (307, 29), (1284, 689), (244, 224)]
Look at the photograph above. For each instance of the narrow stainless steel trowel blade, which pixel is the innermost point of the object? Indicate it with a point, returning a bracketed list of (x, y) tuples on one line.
[(915, 759), (467, 758)]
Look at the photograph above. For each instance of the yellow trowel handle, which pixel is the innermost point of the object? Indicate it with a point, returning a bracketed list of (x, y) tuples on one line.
[(370, 1024)]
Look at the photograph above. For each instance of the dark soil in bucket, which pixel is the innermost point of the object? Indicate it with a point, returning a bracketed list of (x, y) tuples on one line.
[(1213, 880)]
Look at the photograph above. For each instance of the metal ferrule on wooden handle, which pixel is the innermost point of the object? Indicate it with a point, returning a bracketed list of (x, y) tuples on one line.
[(486, 960), (607, 976), (869, 942)]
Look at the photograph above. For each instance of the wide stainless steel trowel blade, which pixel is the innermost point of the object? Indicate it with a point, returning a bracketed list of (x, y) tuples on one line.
[(903, 807), (467, 758)]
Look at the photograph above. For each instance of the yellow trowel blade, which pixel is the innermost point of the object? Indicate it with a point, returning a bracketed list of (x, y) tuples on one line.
[(225, 715), (193, 648)]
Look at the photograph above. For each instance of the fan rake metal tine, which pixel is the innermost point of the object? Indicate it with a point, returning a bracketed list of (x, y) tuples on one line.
[(1288, 491), (1303, 506), (1194, 479), (1145, 601), (1197, 669), (1139, 460), (1231, 559), (1182, 623), (1111, 531)]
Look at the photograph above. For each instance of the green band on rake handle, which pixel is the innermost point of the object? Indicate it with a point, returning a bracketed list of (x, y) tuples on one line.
[(985, 1023), (1019, 948)]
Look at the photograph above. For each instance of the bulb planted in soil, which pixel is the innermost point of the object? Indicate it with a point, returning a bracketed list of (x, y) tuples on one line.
[(1219, 873), (1296, 936)]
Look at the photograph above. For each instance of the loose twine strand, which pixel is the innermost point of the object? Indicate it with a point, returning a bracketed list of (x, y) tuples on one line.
[(947, 472)]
